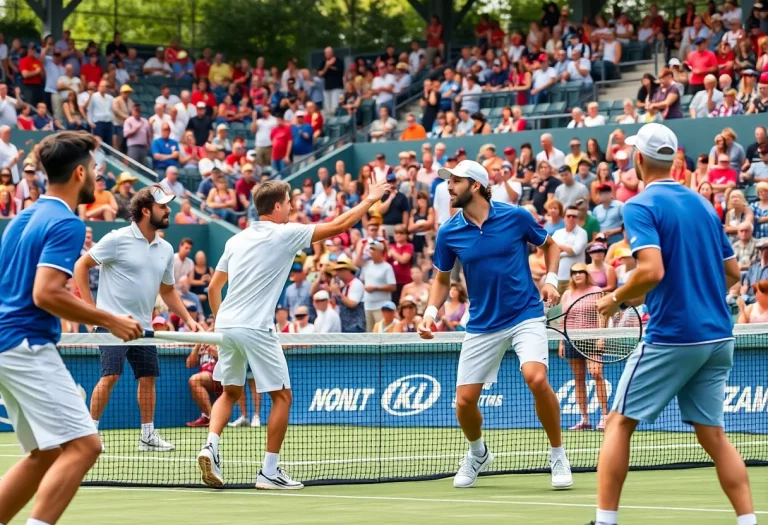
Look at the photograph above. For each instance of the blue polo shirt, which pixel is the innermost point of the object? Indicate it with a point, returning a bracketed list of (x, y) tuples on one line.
[(165, 147), (688, 305), (495, 261), (45, 234), (302, 145)]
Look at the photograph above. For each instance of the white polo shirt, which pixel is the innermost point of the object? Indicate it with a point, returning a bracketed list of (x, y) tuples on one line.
[(131, 272), (575, 239), (258, 261)]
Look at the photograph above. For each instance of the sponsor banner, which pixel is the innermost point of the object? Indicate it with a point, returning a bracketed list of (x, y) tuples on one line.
[(411, 390)]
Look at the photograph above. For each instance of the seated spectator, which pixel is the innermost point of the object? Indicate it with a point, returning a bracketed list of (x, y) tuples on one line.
[(758, 170), (570, 191), (201, 384), (103, 208), (327, 320), (679, 170), (222, 201), (502, 188), (730, 147), (454, 309), (465, 125), (124, 194), (183, 69), (511, 120), (542, 78), (171, 183), (388, 320), (759, 104), (42, 120), (409, 319), (469, 97), (555, 219), (648, 86), (402, 78), (628, 184), (757, 312), (609, 214), (608, 58), (630, 115), (383, 88), (550, 153), (738, 212), (185, 215), (593, 118), (729, 106), (691, 34), (157, 66), (667, 98), (34, 193), (747, 87), (498, 78), (414, 130), (302, 324), (722, 176), (480, 125), (577, 119), (165, 151), (705, 101), (25, 120), (757, 271), (383, 129), (745, 246), (725, 59), (7, 203), (578, 69)]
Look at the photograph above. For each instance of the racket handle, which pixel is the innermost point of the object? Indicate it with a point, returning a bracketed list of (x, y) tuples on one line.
[(149, 334)]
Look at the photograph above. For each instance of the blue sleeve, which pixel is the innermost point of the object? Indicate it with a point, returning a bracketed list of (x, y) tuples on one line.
[(62, 245), (640, 226), (534, 233), (444, 257), (155, 148)]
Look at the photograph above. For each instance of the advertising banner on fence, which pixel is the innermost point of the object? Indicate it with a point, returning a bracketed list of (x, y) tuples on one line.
[(402, 389)]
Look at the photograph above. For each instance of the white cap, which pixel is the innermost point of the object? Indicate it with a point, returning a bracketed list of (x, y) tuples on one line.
[(468, 169), (674, 62), (322, 295), (160, 196), (656, 141)]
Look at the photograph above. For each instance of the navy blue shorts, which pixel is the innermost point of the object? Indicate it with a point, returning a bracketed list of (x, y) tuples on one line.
[(571, 352), (143, 359)]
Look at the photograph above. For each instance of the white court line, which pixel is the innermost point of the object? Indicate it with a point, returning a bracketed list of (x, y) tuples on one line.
[(414, 500)]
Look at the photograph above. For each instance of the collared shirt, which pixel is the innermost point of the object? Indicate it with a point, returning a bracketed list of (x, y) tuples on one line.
[(700, 104), (126, 258), (724, 110), (46, 234), (182, 268), (576, 239), (610, 217), (8, 153), (495, 261), (556, 158), (164, 147), (684, 227), (298, 295), (100, 108), (52, 73), (142, 137), (258, 261), (746, 254)]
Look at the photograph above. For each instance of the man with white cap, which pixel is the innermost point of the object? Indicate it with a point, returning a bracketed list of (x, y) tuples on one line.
[(135, 263), (327, 320), (688, 348), (491, 240)]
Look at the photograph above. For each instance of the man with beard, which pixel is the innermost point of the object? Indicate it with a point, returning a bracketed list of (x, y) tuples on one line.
[(38, 251), (491, 239), (135, 263)]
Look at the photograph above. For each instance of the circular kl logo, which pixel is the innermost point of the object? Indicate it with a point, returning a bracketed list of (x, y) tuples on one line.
[(410, 395)]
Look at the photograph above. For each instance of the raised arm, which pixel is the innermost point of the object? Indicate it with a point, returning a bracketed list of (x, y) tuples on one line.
[(349, 218)]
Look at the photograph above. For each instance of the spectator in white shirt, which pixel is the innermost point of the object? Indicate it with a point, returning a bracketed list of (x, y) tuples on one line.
[(327, 320), (324, 204), (578, 69), (469, 98), (502, 188), (100, 115), (9, 106), (171, 183), (577, 119), (383, 128), (185, 108), (383, 88), (542, 78), (402, 78), (550, 153), (177, 125), (166, 98), (593, 118), (416, 61), (705, 101), (9, 155), (378, 276), (157, 66), (157, 120), (302, 324), (572, 241)]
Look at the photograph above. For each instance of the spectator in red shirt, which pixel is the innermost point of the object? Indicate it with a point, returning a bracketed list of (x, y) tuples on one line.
[(481, 31), (172, 52), (497, 35), (282, 141), (434, 37), (400, 255), (237, 157), (91, 71), (315, 118), (725, 59), (702, 62), (203, 65), (201, 94), (723, 176), (32, 74), (245, 185)]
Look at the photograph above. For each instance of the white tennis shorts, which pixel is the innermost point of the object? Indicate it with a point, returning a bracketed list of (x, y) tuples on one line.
[(45, 406), (481, 354), (259, 349)]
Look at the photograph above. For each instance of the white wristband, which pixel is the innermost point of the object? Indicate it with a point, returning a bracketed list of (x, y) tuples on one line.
[(551, 279), (431, 311)]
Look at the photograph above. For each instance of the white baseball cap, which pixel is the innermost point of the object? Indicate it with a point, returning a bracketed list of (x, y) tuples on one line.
[(674, 62), (468, 169), (322, 295), (160, 196), (656, 141)]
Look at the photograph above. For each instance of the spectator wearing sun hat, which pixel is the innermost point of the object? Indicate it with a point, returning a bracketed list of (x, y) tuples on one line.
[(183, 69)]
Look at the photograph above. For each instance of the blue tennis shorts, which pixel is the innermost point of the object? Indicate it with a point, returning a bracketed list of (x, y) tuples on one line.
[(695, 374), (143, 359)]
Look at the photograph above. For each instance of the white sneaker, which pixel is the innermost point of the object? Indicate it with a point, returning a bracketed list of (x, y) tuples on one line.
[(470, 467), (601, 424), (155, 443), (561, 473), (280, 481), (210, 467), (255, 422), (242, 421)]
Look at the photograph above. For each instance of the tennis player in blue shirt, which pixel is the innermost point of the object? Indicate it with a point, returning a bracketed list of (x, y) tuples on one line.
[(38, 253), (505, 309), (685, 264)]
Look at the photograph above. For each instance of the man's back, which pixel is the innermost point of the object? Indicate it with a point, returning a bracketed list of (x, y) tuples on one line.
[(258, 261), (46, 234), (688, 305)]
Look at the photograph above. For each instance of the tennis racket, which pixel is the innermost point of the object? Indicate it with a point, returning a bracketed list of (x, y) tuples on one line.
[(207, 338), (597, 338)]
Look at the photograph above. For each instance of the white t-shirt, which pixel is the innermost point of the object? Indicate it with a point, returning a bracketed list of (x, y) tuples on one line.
[(83, 98), (644, 34), (8, 114), (8, 154), (380, 82), (542, 77), (172, 100), (591, 122), (414, 60), (573, 69), (258, 261), (72, 83), (263, 131), (126, 258), (556, 158), (157, 124), (326, 202), (442, 203), (328, 322), (499, 192), (183, 114), (154, 63), (380, 274), (576, 239)]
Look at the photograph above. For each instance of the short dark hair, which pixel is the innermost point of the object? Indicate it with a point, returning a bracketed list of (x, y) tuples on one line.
[(141, 201), (186, 240), (269, 193), (62, 153), (572, 207)]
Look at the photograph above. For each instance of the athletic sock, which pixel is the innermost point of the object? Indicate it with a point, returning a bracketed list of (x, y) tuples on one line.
[(147, 429), (556, 453), (30, 521), (607, 517), (746, 519), (477, 448), (96, 423), (270, 463), (213, 440), (206, 416)]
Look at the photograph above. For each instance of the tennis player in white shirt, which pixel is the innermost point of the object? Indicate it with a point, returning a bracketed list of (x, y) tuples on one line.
[(256, 263)]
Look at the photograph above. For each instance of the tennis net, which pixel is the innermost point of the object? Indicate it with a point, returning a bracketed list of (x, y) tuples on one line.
[(370, 408)]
